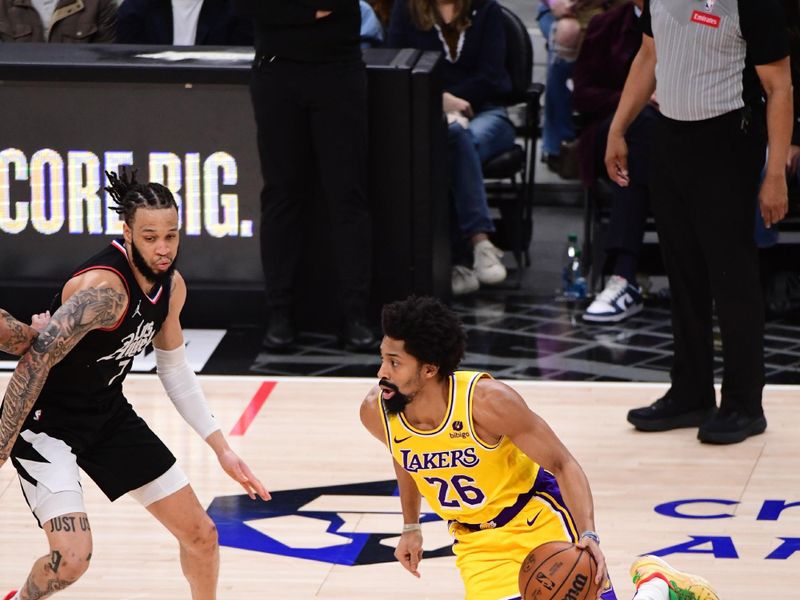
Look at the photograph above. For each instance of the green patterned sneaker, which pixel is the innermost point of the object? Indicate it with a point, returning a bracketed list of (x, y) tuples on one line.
[(682, 586)]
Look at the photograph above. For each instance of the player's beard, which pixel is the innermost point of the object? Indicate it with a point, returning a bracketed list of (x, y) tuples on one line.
[(397, 402), (149, 274)]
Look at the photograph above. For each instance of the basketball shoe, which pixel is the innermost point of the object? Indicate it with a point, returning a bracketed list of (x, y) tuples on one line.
[(682, 586)]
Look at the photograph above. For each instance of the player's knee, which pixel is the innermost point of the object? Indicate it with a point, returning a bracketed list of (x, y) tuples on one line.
[(69, 562), (204, 539)]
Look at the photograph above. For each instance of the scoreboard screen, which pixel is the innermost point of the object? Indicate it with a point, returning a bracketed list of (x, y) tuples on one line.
[(57, 139)]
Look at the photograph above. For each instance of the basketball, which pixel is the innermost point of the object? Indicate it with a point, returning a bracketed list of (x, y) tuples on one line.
[(558, 571)]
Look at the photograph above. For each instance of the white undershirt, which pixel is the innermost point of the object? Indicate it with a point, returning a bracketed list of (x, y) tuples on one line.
[(185, 14), (45, 8)]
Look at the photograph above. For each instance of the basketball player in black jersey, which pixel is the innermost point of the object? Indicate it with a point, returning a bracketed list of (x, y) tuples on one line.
[(64, 407)]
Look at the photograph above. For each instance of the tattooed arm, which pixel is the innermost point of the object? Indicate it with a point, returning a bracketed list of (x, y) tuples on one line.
[(92, 300), (15, 337)]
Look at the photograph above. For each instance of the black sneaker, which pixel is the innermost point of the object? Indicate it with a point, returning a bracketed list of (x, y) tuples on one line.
[(665, 414), (280, 330), (358, 336), (731, 427)]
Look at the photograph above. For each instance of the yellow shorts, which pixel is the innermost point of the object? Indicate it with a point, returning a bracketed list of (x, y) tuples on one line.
[(489, 560)]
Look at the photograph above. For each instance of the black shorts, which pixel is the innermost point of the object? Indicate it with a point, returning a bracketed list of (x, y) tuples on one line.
[(110, 442)]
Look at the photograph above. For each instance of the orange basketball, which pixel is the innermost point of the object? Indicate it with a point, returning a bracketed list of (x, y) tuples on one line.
[(558, 571)]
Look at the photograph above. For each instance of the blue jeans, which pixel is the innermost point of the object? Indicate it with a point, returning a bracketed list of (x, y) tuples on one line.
[(489, 133), (557, 125)]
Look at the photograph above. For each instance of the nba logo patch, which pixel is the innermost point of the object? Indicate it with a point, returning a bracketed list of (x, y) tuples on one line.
[(710, 5)]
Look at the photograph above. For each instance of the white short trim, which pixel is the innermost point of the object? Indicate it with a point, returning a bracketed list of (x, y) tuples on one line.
[(161, 487)]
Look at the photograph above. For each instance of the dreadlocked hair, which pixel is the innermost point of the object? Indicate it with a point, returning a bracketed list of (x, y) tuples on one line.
[(130, 195)]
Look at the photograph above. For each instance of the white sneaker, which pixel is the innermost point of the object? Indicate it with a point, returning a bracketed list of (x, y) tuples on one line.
[(488, 266), (619, 300), (463, 280)]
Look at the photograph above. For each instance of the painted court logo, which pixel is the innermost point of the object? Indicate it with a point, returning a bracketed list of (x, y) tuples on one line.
[(324, 518)]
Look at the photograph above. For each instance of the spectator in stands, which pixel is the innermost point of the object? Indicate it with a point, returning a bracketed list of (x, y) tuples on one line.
[(383, 10), (58, 21), (792, 8), (471, 35), (611, 43), (372, 34), (563, 24), (768, 237), (309, 92), (182, 23)]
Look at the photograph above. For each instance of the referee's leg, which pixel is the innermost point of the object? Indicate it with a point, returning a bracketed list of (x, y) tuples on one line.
[(672, 163), (726, 211)]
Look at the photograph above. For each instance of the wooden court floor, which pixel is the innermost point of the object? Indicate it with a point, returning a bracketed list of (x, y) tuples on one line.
[(719, 508)]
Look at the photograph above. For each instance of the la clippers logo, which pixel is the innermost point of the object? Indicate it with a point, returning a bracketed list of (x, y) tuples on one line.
[(706, 19), (134, 343)]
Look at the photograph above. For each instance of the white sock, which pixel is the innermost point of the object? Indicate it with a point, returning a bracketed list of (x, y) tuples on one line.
[(655, 589)]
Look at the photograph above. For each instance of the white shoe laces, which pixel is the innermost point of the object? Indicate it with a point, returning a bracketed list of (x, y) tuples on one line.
[(615, 286)]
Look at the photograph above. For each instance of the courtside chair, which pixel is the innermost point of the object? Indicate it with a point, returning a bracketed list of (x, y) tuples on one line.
[(510, 175)]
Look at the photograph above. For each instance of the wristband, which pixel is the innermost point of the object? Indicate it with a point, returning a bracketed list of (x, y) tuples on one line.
[(411, 527), (591, 535)]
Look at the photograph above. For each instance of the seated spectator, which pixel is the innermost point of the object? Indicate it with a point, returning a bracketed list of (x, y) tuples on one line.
[(611, 42), (58, 21), (471, 35), (563, 24), (768, 237), (383, 10), (371, 28), (778, 269), (182, 23)]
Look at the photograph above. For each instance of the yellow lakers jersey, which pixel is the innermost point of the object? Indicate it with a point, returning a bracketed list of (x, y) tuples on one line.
[(462, 477)]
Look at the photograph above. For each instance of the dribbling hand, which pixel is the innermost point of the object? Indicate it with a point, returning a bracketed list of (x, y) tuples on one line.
[(602, 569)]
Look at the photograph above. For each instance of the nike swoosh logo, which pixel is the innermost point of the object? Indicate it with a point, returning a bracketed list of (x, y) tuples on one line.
[(530, 522), (401, 440)]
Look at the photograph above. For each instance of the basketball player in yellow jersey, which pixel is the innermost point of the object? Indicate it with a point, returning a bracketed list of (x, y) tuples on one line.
[(473, 449), (483, 461)]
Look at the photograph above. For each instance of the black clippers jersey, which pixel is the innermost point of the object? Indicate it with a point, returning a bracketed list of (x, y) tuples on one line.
[(94, 369)]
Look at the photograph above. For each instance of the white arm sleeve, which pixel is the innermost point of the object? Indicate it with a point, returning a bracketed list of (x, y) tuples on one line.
[(184, 390)]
